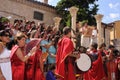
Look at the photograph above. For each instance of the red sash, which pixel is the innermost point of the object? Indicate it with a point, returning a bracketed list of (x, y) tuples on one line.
[(65, 47), (14, 49)]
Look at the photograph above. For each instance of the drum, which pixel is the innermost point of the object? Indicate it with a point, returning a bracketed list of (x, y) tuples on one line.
[(84, 63)]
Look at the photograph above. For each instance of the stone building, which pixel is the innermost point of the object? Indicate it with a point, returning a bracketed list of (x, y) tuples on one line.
[(115, 33), (105, 34), (111, 33), (29, 10), (115, 30)]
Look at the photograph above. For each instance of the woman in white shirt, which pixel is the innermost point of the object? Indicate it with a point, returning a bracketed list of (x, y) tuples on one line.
[(1, 50), (5, 64)]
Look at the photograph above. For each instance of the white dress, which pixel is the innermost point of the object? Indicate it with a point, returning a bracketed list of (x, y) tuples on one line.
[(5, 64)]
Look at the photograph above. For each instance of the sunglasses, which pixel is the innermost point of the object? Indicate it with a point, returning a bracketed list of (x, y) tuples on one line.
[(7, 35)]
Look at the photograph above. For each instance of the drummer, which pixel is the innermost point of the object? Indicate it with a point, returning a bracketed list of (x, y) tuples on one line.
[(93, 51), (97, 71), (64, 56)]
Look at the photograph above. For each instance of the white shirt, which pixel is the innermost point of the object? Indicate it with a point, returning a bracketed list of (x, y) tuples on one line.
[(94, 37), (6, 66), (94, 33)]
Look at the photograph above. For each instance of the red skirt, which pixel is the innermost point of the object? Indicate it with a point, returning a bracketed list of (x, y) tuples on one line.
[(18, 72)]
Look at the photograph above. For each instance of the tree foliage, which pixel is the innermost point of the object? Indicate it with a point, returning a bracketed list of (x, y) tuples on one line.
[(87, 10)]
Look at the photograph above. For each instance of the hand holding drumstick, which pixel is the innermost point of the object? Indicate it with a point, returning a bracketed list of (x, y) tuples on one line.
[(75, 54)]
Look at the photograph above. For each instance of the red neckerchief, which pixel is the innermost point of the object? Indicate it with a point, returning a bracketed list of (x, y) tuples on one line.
[(93, 52)]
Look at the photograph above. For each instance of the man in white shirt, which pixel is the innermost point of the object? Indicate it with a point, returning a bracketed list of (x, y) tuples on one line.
[(85, 34), (5, 64)]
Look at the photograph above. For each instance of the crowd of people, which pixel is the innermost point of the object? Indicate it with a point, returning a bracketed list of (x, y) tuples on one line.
[(17, 61), (39, 52)]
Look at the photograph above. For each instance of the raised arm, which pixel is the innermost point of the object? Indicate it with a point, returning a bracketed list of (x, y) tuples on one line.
[(22, 57)]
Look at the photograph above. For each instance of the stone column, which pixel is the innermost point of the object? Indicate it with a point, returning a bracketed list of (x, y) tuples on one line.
[(98, 18), (57, 22), (73, 11)]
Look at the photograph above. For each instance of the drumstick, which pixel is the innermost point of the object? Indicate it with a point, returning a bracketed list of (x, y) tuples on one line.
[(76, 54)]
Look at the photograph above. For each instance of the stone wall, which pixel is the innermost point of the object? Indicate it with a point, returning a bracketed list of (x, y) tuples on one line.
[(105, 34), (117, 29), (23, 9)]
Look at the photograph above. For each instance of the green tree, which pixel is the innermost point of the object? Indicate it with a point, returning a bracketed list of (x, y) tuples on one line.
[(87, 10)]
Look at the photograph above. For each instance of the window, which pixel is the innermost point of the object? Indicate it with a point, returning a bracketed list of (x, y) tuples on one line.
[(38, 15)]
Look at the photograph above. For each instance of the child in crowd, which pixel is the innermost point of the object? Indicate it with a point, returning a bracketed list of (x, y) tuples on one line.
[(50, 74)]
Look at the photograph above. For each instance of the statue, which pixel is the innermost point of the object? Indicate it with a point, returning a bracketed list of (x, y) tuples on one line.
[(86, 34)]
